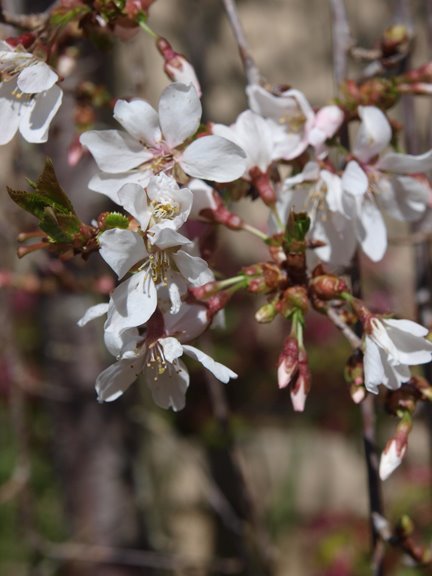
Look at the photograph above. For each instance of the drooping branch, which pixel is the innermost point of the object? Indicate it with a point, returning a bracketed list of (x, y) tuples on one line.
[(249, 65)]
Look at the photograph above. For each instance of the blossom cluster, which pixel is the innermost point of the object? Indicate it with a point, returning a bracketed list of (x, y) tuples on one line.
[(323, 201)]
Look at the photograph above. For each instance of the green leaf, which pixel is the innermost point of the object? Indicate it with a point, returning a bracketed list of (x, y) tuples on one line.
[(62, 16), (48, 202)]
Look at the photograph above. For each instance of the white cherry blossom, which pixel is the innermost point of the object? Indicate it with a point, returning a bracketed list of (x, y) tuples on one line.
[(156, 141), (293, 112), (29, 95), (390, 346), (159, 360), (319, 193)]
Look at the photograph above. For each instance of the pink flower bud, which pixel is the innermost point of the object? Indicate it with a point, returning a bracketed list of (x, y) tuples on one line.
[(391, 458), (328, 286), (288, 362), (176, 67), (301, 388)]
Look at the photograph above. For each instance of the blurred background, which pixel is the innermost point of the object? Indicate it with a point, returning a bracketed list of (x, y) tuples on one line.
[(236, 483)]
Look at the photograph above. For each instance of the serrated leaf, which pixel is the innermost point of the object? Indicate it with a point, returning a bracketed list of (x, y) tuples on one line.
[(115, 220), (48, 186)]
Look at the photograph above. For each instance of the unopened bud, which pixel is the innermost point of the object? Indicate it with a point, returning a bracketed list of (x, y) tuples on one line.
[(222, 215), (328, 286), (391, 458), (354, 376), (267, 313), (176, 67), (293, 298), (264, 277), (217, 302), (263, 185), (301, 388), (288, 362)]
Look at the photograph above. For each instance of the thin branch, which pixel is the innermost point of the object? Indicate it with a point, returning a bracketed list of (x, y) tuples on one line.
[(342, 41), (346, 330), (27, 21), (251, 70)]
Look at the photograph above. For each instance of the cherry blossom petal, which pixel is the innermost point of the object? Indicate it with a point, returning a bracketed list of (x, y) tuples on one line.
[(9, 116), (165, 237), (408, 326), (373, 135), (221, 372), (340, 241), (372, 231), (411, 349), (390, 459), (110, 184), (193, 268), (172, 349), (114, 151), (179, 113), (169, 388), (405, 163), (213, 158), (92, 313), (132, 302), (354, 179), (188, 323), (121, 249), (403, 197), (116, 379), (373, 366), (139, 119), (123, 343), (134, 200), (36, 78), (34, 126), (203, 197)]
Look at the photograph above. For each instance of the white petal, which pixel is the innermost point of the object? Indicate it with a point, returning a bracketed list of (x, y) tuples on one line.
[(203, 198), (116, 379), (405, 163), (406, 326), (169, 388), (121, 249), (188, 323), (36, 78), (412, 348), (354, 179), (373, 135), (114, 151), (93, 312), (179, 113), (124, 343), (373, 366), (133, 302), (403, 197), (134, 199), (34, 127), (193, 268), (390, 459), (163, 237), (139, 119), (372, 232), (172, 349), (110, 184), (222, 373), (213, 158), (9, 114)]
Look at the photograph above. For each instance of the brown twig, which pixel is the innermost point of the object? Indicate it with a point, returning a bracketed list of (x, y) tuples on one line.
[(27, 21), (251, 70)]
